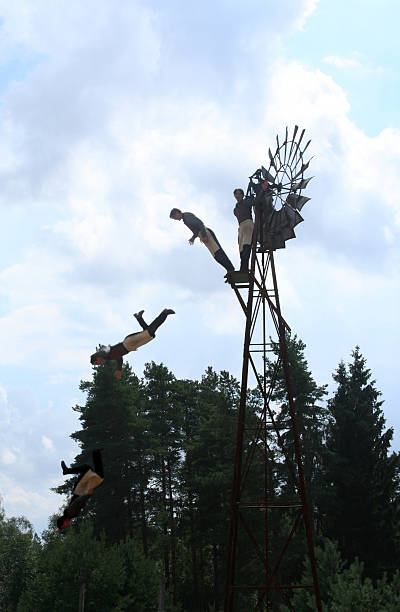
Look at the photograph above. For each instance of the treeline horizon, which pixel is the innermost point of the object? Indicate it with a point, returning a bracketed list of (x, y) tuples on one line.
[(154, 535)]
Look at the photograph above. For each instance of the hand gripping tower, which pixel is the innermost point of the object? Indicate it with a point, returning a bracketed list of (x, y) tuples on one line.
[(267, 521)]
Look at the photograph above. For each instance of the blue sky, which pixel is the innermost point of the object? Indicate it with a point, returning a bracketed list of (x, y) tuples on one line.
[(363, 34), (110, 115)]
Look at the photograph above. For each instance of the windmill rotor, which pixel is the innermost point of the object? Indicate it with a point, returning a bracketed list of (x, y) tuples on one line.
[(281, 203)]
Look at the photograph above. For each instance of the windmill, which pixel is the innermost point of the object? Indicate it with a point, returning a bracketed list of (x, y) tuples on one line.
[(256, 499)]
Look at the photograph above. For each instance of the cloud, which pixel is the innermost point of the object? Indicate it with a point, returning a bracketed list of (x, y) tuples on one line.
[(360, 62), (29, 465), (4, 408), (8, 457), (342, 62), (48, 445), (21, 499)]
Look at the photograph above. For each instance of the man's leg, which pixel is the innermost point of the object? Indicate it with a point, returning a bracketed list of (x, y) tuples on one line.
[(244, 257), (223, 260), (154, 325), (217, 252), (139, 318), (245, 239), (98, 462), (79, 469)]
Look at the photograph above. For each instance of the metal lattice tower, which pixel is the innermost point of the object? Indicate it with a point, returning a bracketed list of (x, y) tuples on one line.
[(256, 499)]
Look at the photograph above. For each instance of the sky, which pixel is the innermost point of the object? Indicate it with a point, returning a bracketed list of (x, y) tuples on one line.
[(113, 113)]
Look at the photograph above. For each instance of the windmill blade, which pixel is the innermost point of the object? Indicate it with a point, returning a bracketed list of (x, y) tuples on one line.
[(278, 152), (305, 148), (296, 127), (272, 163), (267, 175), (286, 140), (297, 145), (302, 169), (301, 137), (302, 184), (296, 201)]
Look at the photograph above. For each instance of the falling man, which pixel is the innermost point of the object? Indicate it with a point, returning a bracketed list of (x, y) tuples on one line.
[(205, 234), (89, 479), (130, 342)]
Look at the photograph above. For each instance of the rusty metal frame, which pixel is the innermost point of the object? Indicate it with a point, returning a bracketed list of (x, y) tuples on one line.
[(262, 308)]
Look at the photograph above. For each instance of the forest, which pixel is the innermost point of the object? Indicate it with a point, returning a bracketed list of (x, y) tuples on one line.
[(154, 535)]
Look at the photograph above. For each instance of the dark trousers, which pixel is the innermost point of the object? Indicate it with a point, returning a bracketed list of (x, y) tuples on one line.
[(154, 325), (85, 467)]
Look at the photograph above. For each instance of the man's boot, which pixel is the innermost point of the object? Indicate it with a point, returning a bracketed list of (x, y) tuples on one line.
[(223, 260)]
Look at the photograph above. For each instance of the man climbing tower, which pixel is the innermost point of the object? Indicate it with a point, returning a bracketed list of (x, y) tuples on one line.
[(206, 236), (131, 342), (89, 479), (243, 213)]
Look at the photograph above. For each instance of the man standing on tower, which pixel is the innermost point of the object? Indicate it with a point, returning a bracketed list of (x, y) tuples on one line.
[(243, 213)]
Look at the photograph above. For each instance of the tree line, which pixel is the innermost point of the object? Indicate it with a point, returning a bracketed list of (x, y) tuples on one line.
[(154, 535)]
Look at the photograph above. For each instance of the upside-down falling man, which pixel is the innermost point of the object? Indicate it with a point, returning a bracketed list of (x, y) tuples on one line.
[(89, 478)]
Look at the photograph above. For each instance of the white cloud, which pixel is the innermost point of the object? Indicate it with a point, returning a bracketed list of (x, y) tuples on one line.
[(342, 62), (308, 9), (48, 444), (21, 499), (8, 457), (358, 61)]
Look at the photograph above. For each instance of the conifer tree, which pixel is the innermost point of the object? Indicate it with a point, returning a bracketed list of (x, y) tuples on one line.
[(362, 477), (311, 416), (108, 420), (164, 421), (19, 553), (212, 455)]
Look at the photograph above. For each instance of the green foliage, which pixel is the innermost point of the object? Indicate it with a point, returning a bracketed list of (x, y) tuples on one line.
[(312, 417), (69, 560), (19, 552), (361, 505), (344, 589), (116, 577)]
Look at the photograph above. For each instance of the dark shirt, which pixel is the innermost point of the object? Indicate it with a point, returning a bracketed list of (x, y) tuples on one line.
[(75, 506), (195, 224), (242, 210), (116, 352)]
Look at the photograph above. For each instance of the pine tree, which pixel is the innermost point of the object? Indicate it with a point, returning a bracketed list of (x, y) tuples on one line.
[(108, 420), (311, 419), (164, 421), (311, 416), (19, 554), (186, 395), (362, 479), (212, 457)]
